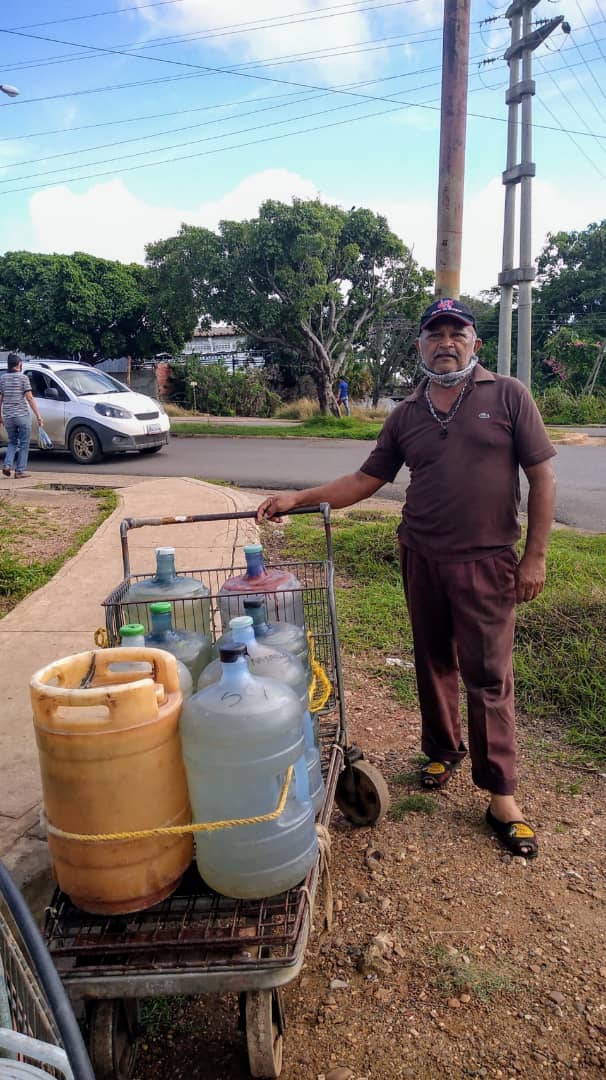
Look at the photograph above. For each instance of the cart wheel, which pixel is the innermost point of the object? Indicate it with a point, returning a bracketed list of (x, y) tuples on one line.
[(362, 793), (264, 1032), (112, 1038)]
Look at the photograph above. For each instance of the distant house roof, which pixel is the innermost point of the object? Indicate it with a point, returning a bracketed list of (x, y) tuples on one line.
[(114, 366), (216, 331)]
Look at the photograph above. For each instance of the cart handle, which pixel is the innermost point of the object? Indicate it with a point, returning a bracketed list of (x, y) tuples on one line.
[(191, 519)]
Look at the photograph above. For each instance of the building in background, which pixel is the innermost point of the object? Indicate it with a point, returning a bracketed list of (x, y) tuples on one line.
[(223, 344)]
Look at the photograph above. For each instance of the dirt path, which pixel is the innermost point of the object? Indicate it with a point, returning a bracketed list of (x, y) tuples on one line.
[(491, 967)]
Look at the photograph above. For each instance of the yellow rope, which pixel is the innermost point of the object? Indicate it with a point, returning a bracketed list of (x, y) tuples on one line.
[(179, 830), (321, 688)]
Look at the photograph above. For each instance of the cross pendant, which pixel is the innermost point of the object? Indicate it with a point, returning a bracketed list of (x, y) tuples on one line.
[(444, 431)]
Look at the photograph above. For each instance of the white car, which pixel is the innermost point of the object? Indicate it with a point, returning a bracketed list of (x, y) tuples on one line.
[(91, 414)]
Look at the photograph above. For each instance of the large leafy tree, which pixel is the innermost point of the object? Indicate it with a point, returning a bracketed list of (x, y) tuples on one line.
[(306, 278), (78, 306), (571, 282)]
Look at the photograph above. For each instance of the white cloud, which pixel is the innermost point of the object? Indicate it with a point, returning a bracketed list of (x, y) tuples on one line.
[(291, 33), (110, 221)]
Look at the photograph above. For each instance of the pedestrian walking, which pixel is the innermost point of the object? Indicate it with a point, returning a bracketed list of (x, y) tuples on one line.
[(16, 401), (464, 433), (343, 396)]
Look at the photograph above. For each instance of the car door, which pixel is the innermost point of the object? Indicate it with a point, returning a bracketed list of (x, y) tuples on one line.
[(50, 399)]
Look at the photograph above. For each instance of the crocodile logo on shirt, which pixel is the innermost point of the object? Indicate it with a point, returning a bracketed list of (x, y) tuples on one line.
[(483, 416)]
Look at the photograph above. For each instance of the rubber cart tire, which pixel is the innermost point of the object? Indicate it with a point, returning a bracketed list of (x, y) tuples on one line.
[(362, 794), (264, 1032), (112, 1038)]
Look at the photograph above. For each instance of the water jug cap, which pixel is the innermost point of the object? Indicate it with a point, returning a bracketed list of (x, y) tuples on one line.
[(240, 621), (253, 549), (165, 551), (230, 654), (132, 630), (254, 605), (161, 607)]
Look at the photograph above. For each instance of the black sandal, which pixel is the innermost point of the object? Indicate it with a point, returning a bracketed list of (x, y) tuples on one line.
[(518, 836), (436, 774)]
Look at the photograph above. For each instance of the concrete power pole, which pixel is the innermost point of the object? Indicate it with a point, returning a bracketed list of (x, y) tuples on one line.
[(521, 91), (455, 69)]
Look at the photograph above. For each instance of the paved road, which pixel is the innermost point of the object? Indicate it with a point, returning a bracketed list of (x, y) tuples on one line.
[(299, 463)]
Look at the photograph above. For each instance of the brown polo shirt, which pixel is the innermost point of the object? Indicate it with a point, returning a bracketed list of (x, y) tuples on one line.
[(464, 494)]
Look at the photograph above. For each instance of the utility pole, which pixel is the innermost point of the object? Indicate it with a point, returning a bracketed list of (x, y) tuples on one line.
[(524, 41), (455, 70)]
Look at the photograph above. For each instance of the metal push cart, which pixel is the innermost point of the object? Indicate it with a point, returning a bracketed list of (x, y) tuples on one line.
[(196, 941), (39, 1035)]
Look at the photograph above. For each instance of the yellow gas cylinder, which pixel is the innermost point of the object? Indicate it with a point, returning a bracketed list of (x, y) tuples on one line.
[(111, 762)]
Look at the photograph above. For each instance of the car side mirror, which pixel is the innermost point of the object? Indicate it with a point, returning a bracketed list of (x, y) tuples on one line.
[(52, 393)]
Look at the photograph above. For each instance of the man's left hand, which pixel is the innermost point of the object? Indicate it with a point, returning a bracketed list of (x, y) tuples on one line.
[(530, 578)]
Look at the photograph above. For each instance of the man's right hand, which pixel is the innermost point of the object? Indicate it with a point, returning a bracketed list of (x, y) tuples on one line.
[(276, 505)]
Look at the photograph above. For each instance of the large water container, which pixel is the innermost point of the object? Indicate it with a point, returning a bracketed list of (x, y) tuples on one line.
[(190, 598), (132, 636), (111, 761), (191, 649), (279, 635), (270, 663), (239, 737), (280, 589)]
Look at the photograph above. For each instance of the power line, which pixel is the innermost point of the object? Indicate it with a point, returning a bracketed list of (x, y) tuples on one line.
[(273, 138), (94, 15), (571, 104), (573, 140), (299, 99), (249, 26), (574, 42)]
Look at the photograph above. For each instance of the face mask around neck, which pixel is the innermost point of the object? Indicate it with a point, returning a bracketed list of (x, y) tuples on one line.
[(449, 378)]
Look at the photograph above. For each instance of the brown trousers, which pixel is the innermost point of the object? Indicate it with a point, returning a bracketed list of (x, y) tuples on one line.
[(463, 620)]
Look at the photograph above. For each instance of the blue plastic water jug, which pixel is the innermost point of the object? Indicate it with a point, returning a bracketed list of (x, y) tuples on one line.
[(189, 597), (239, 737), (279, 635), (192, 649), (132, 636), (280, 589), (271, 663)]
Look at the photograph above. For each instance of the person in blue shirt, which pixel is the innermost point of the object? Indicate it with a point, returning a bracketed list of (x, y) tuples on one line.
[(343, 396)]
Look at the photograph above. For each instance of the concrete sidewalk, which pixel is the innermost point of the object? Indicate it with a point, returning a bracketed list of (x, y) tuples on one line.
[(60, 619)]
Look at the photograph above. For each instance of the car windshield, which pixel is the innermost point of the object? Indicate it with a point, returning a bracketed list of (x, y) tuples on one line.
[(88, 381)]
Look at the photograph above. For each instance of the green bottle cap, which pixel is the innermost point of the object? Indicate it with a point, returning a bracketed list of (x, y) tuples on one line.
[(132, 630), (161, 607)]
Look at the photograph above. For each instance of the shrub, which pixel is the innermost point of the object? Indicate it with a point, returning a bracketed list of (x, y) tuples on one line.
[(559, 406), (220, 392), (301, 409)]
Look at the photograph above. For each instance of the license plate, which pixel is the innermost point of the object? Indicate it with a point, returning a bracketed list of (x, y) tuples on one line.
[(153, 429)]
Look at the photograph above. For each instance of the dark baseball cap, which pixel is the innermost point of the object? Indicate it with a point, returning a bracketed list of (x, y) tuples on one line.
[(446, 306)]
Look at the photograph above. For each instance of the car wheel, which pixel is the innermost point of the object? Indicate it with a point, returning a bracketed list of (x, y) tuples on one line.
[(84, 446), (150, 449)]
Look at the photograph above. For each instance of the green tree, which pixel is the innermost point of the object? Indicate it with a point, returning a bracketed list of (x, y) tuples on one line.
[(306, 278), (574, 361), (571, 284), (78, 305)]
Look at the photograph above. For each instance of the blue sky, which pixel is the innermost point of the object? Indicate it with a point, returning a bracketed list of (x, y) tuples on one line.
[(104, 151)]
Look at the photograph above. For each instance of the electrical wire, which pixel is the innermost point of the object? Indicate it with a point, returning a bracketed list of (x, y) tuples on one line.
[(587, 65), (567, 131), (273, 138), (331, 12), (94, 15), (570, 104), (582, 88)]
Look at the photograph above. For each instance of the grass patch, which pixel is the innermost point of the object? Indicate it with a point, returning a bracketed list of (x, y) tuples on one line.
[(559, 656), (17, 578), (161, 1014), (412, 804), (316, 427), (457, 973)]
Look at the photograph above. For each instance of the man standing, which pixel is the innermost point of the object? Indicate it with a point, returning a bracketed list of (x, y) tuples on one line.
[(16, 400), (463, 433), (343, 396)]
